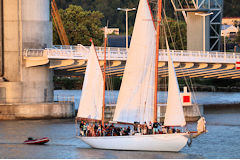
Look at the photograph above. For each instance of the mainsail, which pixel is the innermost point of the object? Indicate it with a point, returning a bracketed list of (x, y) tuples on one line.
[(92, 93), (135, 100), (174, 115)]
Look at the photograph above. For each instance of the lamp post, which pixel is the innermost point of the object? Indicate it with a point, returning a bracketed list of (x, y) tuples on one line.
[(126, 10), (204, 27)]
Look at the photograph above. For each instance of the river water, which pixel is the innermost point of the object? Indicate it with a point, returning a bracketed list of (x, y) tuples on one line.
[(221, 141)]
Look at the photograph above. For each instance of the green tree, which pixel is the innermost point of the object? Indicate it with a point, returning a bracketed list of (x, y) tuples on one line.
[(114, 17), (238, 38), (80, 26), (176, 31), (176, 34), (231, 8)]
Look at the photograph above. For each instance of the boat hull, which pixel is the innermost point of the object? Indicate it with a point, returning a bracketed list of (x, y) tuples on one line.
[(37, 141), (158, 142)]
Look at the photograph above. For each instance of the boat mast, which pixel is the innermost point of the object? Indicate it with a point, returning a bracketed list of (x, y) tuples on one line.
[(156, 60), (104, 74)]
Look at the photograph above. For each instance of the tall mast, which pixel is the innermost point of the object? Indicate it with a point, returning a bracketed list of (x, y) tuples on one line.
[(156, 60), (104, 74)]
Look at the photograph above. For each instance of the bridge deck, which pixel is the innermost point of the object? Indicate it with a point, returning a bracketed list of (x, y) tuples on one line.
[(71, 60)]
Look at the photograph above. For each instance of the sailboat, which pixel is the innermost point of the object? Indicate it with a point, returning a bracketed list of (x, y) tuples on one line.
[(136, 95), (90, 107)]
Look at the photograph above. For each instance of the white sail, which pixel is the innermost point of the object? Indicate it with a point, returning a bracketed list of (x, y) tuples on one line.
[(90, 105), (174, 115), (135, 100)]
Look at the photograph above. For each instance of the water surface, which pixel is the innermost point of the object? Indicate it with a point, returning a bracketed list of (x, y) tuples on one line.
[(199, 97), (222, 141)]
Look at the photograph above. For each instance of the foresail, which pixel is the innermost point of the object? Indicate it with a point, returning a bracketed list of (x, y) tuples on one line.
[(90, 105), (135, 100), (174, 115)]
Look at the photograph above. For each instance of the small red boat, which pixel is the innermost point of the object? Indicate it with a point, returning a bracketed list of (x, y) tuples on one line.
[(36, 141)]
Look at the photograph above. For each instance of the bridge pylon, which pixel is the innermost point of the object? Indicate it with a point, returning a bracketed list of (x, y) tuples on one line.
[(24, 92), (203, 18)]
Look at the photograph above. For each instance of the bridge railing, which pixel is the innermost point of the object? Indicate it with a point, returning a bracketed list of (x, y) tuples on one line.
[(33, 52), (113, 53)]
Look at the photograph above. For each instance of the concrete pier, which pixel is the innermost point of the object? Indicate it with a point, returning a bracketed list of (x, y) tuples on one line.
[(26, 24), (37, 111), (25, 92)]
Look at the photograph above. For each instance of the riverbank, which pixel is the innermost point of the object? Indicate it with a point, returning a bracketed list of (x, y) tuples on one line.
[(29, 111), (221, 108)]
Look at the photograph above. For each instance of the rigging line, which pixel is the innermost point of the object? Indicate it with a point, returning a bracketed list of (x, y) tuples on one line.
[(108, 79), (181, 69), (110, 86), (169, 30), (165, 35), (193, 91), (191, 84), (181, 38), (165, 86), (180, 4), (190, 87), (187, 4), (110, 89)]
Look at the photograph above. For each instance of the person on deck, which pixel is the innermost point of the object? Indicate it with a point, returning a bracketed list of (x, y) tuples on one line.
[(81, 128), (92, 133), (178, 131), (105, 129), (99, 130), (150, 131), (89, 130), (145, 128), (85, 129), (174, 130), (138, 128), (95, 128), (155, 127), (128, 130)]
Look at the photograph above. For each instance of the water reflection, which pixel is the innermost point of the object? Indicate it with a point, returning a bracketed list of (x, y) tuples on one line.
[(106, 154)]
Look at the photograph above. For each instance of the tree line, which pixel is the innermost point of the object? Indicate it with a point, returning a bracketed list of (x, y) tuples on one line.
[(231, 8), (84, 19), (200, 84), (117, 18), (114, 17)]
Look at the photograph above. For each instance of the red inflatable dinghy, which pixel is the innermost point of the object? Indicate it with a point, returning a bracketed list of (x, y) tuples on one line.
[(36, 141)]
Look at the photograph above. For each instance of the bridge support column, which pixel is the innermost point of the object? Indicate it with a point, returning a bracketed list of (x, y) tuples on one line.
[(198, 38), (26, 24)]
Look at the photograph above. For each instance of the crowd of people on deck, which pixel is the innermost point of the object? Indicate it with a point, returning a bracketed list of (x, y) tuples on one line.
[(97, 129)]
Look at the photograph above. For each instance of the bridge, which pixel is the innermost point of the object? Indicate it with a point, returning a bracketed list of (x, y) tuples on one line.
[(26, 77), (72, 60)]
